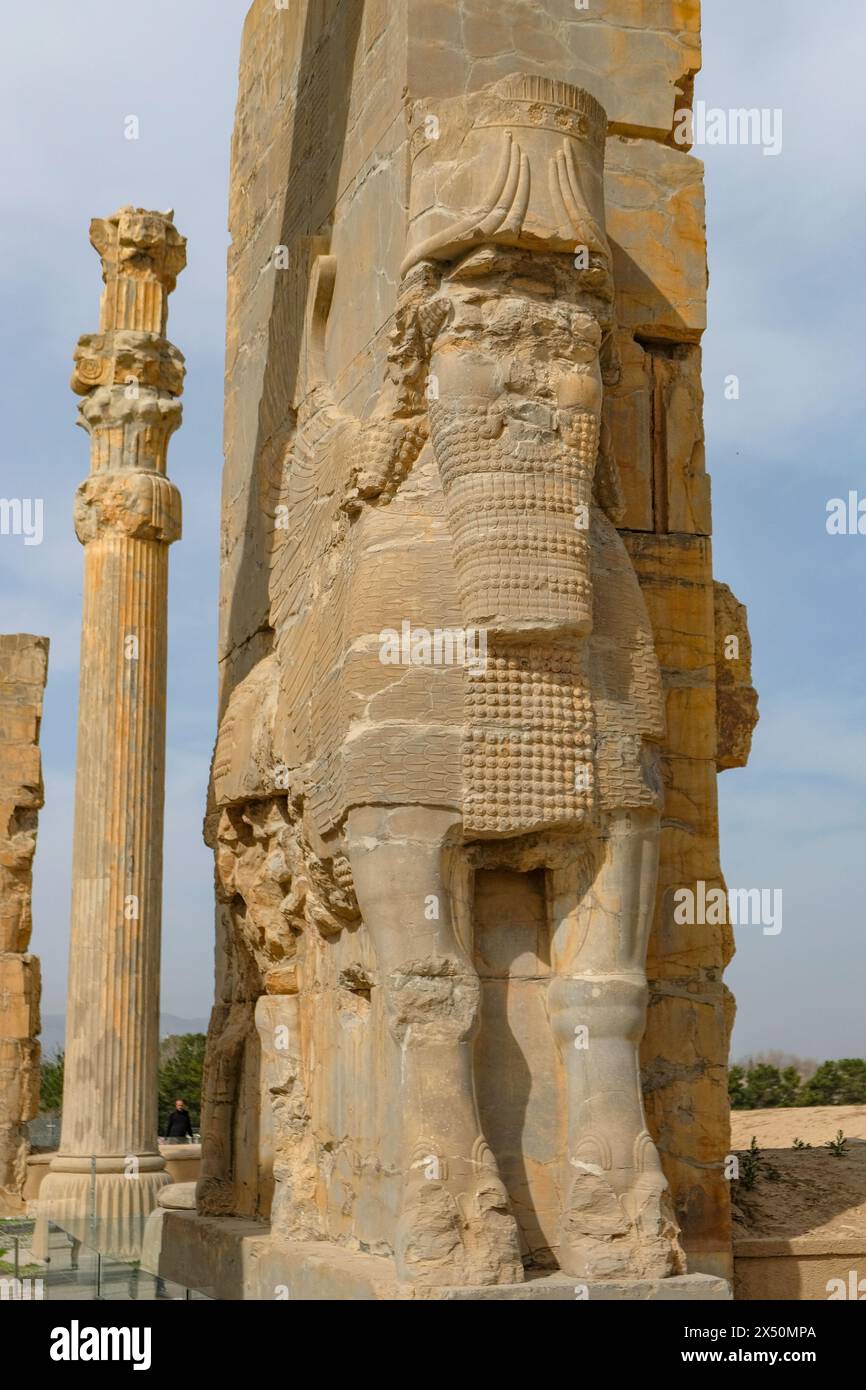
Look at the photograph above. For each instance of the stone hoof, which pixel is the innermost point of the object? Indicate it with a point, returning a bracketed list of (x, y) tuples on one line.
[(648, 1200), (648, 1204), (594, 1228), (457, 1228), (490, 1230), (606, 1234), (429, 1246)]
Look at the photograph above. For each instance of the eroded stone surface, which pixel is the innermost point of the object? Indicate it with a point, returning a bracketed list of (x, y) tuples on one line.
[(23, 672), (737, 706)]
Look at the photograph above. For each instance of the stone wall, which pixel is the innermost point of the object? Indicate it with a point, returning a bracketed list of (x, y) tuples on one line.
[(23, 671)]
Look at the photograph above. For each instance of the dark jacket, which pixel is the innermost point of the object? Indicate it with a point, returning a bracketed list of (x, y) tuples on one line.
[(178, 1124)]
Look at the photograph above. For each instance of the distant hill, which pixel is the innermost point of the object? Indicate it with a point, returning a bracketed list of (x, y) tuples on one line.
[(53, 1035)]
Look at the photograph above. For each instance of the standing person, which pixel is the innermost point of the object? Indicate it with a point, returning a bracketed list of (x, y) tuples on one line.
[(178, 1126)]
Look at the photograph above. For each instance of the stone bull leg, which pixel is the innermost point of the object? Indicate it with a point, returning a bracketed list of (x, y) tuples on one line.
[(412, 884), (617, 1218)]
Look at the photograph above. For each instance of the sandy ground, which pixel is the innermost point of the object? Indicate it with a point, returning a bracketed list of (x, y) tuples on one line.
[(814, 1191)]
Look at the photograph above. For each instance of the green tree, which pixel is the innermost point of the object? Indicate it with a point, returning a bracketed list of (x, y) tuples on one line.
[(181, 1062), (51, 1083), (837, 1083), (736, 1083), (763, 1087)]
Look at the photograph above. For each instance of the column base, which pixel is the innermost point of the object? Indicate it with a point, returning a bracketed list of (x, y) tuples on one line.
[(105, 1210)]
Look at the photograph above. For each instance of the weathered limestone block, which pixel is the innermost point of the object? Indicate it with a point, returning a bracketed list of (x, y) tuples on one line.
[(684, 486), (458, 46), (19, 1065), (232, 1259), (654, 416), (629, 415), (19, 1102), (19, 991), (737, 707), (657, 228), (23, 671)]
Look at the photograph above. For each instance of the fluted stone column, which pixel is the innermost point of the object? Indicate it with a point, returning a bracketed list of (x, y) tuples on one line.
[(105, 1178)]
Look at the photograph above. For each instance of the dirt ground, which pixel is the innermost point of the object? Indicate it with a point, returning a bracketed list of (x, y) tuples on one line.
[(813, 1191)]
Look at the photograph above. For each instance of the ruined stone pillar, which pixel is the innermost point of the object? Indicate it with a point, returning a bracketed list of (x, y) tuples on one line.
[(105, 1178), (23, 668)]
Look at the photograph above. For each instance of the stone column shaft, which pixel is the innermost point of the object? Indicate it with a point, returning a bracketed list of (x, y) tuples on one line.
[(113, 1031)]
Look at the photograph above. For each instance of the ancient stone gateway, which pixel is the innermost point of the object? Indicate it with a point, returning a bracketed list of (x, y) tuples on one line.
[(459, 1041)]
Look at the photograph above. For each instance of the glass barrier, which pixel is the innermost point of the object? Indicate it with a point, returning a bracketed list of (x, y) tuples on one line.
[(68, 1269)]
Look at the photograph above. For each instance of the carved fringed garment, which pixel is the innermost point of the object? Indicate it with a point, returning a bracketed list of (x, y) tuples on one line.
[(556, 725)]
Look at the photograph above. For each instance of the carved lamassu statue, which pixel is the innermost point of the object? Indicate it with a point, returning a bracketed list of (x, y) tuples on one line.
[(365, 796)]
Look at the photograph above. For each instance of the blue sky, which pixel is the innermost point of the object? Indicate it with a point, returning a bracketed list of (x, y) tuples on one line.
[(786, 304)]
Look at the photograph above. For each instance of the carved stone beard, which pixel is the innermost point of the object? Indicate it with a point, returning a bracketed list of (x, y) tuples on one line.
[(518, 499), (514, 424)]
